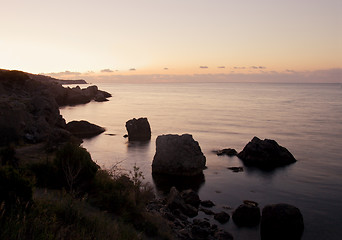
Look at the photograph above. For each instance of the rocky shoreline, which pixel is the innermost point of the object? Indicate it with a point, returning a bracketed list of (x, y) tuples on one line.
[(29, 113), (29, 107)]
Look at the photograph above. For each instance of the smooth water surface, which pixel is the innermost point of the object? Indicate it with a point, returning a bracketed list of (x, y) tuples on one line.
[(304, 118)]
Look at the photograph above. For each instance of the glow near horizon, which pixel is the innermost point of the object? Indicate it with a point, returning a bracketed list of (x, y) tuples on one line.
[(54, 36)]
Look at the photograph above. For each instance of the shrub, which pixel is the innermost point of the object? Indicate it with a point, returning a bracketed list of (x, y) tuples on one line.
[(14, 188), (75, 167), (7, 156)]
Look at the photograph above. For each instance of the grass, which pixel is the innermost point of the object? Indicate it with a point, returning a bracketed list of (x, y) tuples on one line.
[(74, 199)]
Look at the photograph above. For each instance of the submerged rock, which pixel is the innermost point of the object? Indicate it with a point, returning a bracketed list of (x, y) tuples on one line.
[(265, 154), (281, 222), (178, 155), (84, 129), (138, 129)]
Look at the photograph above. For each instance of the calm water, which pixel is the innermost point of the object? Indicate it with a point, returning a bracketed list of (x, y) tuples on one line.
[(304, 118)]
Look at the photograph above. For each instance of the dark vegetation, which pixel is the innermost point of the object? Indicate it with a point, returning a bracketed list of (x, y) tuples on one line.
[(70, 197)]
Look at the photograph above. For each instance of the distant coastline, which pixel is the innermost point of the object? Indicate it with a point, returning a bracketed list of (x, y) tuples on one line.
[(39, 77)]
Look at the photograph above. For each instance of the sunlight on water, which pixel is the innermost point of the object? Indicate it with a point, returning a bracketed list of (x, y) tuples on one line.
[(305, 118)]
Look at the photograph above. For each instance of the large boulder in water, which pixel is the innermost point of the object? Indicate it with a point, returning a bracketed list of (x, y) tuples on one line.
[(247, 214), (265, 154), (84, 129), (178, 155), (138, 129), (281, 222)]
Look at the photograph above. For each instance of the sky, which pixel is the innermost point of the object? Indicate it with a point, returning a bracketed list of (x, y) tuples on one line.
[(167, 40)]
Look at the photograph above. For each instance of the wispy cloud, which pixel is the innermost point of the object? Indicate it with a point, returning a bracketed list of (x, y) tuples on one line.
[(239, 67), (107, 70), (203, 67), (132, 69), (221, 67)]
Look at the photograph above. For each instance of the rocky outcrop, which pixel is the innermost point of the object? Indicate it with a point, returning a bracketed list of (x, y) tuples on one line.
[(178, 155), (29, 108), (222, 217), (175, 201), (28, 111), (138, 129), (265, 154), (84, 129), (282, 222), (226, 151), (76, 95), (247, 214), (176, 211)]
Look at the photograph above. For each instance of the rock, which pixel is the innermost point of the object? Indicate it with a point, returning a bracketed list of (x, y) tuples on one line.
[(138, 129), (222, 217), (198, 232), (178, 155), (206, 211), (84, 129), (247, 214), (227, 151), (281, 222), (176, 202), (207, 203), (191, 197), (236, 169), (265, 154), (223, 235)]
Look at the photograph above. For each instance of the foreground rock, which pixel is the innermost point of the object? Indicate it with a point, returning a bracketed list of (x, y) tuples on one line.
[(138, 129), (265, 154), (281, 222), (175, 210), (178, 155), (84, 129), (247, 214)]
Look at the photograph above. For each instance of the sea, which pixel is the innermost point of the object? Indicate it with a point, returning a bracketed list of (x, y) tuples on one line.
[(304, 118)]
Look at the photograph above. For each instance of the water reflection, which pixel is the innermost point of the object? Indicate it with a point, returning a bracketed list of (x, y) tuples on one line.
[(133, 145), (163, 183)]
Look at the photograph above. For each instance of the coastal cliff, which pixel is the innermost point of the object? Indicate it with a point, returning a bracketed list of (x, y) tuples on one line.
[(29, 107)]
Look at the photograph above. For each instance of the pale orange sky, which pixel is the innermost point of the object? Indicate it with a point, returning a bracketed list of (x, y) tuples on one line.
[(170, 37)]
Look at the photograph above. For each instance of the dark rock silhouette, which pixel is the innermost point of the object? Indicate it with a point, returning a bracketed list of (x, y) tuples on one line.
[(178, 155), (29, 107), (84, 129), (138, 129), (191, 197), (247, 214), (175, 201), (281, 222), (222, 217), (176, 211), (207, 203), (227, 151), (265, 154)]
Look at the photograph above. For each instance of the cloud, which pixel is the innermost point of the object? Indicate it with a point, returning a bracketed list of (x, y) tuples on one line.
[(221, 67), (132, 69), (239, 67), (262, 67), (203, 67), (166, 68), (69, 73), (107, 70)]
